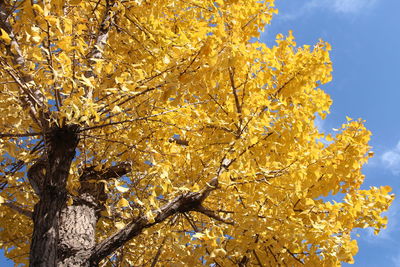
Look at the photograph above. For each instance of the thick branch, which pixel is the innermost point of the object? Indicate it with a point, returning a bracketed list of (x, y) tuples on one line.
[(179, 141), (18, 209), (115, 171), (213, 214), (60, 146), (232, 80), (12, 135), (182, 203), (36, 175), (31, 97), (97, 51)]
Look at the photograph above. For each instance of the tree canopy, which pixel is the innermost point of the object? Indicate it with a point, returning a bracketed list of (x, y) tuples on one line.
[(195, 141)]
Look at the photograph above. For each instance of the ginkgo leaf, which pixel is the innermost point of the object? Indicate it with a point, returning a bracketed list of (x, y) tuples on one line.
[(166, 59), (177, 134), (75, 2), (4, 36), (122, 189), (38, 9), (122, 203), (116, 109), (119, 225)]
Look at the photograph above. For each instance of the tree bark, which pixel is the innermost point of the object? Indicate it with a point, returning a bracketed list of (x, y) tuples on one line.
[(77, 227), (71, 241), (51, 210), (64, 235)]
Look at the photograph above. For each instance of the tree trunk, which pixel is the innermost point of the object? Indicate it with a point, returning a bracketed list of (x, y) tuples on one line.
[(69, 240), (77, 233), (46, 215), (63, 235)]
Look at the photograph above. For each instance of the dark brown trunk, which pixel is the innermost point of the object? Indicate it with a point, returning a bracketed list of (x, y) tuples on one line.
[(45, 234), (63, 235), (71, 240)]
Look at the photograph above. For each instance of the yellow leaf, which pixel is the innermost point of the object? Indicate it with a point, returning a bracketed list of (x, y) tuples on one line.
[(220, 2), (225, 177), (386, 189), (75, 2), (254, 140), (116, 109), (38, 9), (166, 59), (218, 252), (5, 37), (309, 202), (119, 225), (122, 189), (123, 203), (70, 201), (150, 216)]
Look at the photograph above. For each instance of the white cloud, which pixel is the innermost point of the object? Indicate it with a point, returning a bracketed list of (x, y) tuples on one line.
[(389, 234), (319, 123), (341, 6), (391, 159), (396, 260), (349, 7)]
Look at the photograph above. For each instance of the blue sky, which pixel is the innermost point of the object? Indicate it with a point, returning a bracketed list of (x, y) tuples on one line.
[(365, 38), (365, 41)]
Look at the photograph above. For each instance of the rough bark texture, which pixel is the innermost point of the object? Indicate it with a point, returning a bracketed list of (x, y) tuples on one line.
[(59, 151), (77, 226), (64, 235)]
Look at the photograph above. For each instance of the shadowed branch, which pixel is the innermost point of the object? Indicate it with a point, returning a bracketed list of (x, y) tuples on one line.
[(186, 202)]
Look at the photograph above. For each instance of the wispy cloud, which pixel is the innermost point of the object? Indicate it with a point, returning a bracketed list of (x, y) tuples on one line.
[(343, 6), (389, 234), (396, 260), (350, 7), (391, 159), (320, 124)]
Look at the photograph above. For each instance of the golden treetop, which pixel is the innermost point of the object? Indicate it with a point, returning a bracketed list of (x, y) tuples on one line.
[(183, 92)]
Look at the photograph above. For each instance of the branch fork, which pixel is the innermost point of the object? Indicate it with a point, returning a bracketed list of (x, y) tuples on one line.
[(191, 201)]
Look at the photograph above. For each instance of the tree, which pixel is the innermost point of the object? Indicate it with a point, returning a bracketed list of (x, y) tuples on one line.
[(143, 133)]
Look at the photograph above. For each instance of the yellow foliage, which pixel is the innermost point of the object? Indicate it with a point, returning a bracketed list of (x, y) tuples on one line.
[(177, 89)]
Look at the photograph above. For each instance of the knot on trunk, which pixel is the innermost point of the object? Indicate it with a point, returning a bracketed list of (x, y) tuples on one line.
[(190, 201), (93, 181), (64, 137)]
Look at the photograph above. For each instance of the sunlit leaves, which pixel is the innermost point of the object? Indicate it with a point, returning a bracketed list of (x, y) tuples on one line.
[(177, 89), (4, 36)]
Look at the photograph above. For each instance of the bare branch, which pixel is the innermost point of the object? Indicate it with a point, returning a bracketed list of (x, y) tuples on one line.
[(139, 119), (96, 52), (158, 254), (115, 171), (257, 258), (214, 215), (183, 203), (179, 141), (30, 96), (18, 209), (232, 80), (11, 135)]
